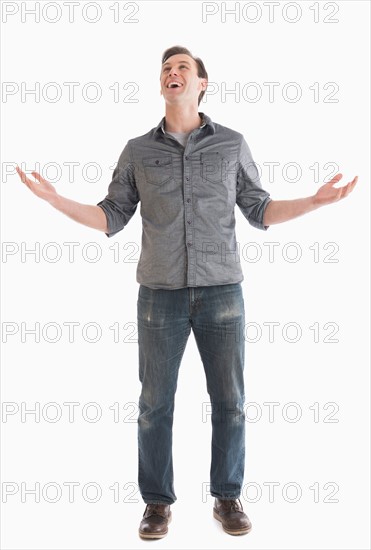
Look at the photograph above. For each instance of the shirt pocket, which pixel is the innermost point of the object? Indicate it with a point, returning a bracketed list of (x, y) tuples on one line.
[(158, 170), (212, 167)]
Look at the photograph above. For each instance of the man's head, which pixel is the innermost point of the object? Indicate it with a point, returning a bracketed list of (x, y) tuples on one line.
[(181, 67)]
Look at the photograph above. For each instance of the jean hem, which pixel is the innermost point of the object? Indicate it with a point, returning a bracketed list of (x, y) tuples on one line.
[(158, 502), (225, 498)]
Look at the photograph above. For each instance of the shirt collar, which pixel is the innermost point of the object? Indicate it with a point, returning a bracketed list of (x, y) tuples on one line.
[(206, 121)]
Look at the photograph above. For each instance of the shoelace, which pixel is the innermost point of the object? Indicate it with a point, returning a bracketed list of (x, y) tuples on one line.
[(235, 505), (155, 509)]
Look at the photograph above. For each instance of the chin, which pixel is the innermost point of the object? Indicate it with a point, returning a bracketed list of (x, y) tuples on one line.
[(173, 100)]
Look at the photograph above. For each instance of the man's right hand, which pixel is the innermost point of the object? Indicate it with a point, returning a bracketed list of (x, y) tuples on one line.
[(89, 215), (43, 189)]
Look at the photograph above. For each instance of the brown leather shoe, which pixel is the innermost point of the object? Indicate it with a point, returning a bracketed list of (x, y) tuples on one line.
[(233, 518), (155, 520)]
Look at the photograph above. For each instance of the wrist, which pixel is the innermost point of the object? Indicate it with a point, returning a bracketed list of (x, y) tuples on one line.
[(54, 200), (313, 201)]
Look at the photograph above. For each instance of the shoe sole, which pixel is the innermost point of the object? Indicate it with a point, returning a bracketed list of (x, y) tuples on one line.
[(155, 535), (231, 531)]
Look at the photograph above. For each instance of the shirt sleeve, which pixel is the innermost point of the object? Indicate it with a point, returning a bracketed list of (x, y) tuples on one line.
[(122, 199), (251, 198)]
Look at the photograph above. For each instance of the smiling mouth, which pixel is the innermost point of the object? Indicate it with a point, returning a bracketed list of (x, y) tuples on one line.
[(174, 85)]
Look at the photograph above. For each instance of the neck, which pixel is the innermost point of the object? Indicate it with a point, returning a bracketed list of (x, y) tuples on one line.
[(180, 118)]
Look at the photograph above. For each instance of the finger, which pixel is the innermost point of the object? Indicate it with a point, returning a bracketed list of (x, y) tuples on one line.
[(25, 179), (345, 192), (22, 175), (18, 170), (347, 189), (38, 177), (351, 185), (353, 182), (334, 180)]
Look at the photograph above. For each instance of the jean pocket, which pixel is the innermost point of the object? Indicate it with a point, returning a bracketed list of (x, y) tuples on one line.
[(158, 170)]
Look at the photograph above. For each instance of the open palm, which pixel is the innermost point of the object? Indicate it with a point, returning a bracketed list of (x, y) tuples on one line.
[(328, 193), (43, 189)]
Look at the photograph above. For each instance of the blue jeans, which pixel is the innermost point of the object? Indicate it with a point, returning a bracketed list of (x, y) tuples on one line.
[(216, 315)]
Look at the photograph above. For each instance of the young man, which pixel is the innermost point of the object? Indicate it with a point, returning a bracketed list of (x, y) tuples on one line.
[(188, 173)]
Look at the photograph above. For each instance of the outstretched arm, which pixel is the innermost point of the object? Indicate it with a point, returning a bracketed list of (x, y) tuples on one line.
[(283, 211), (89, 215)]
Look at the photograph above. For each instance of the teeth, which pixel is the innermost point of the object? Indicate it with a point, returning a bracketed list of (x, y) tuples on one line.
[(174, 85)]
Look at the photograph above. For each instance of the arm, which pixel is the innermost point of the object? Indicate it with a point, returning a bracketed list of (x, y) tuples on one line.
[(90, 215), (282, 211)]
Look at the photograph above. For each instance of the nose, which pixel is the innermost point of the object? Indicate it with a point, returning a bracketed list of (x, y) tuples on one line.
[(173, 71)]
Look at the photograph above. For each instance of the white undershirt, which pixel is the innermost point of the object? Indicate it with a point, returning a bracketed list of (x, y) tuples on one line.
[(180, 136)]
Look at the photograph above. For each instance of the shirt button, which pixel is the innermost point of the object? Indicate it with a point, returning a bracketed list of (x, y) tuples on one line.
[(189, 244), (188, 221), (188, 200), (187, 178), (186, 158)]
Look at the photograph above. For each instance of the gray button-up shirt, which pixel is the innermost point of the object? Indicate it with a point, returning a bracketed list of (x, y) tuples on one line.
[(187, 195)]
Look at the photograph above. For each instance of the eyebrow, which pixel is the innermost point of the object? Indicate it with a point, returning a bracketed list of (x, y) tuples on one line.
[(178, 62)]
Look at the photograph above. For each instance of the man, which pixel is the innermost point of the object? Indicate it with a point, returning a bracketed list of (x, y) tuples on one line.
[(188, 173)]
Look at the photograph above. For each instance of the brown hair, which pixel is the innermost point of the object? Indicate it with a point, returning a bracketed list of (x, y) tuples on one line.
[(201, 71)]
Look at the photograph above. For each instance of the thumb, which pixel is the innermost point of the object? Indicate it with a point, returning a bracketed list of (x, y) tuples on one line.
[(335, 179)]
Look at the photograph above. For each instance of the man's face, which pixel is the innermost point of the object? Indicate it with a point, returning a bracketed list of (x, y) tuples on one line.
[(179, 80)]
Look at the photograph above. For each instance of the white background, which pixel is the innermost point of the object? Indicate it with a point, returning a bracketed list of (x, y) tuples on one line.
[(303, 453)]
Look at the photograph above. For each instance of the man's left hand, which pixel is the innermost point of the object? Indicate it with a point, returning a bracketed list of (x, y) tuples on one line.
[(328, 193)]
